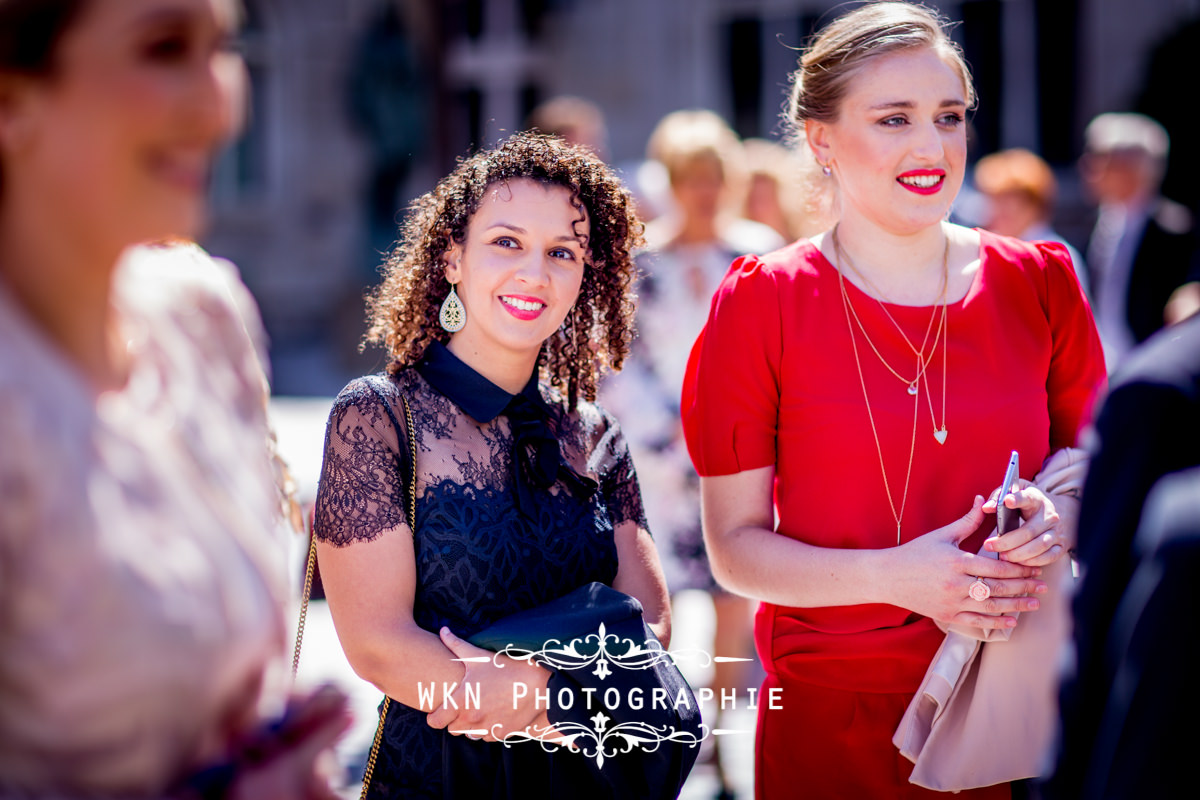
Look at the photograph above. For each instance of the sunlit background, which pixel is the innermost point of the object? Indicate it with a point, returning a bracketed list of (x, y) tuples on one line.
[(361, 105)]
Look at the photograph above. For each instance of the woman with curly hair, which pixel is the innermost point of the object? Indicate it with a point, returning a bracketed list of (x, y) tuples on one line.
[(506, 297)]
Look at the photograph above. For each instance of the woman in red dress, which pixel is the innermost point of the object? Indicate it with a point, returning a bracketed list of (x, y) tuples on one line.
[(854, 397)]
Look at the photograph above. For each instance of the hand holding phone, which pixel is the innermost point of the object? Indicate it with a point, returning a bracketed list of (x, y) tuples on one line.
[(1008, 519)]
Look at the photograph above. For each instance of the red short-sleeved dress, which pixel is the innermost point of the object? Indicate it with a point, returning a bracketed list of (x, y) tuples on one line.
[(772, 381)]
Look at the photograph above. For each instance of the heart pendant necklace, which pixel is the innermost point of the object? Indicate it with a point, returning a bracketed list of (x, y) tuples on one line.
[(941, 332)]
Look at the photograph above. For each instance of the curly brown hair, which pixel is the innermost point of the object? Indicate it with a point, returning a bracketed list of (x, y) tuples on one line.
[(403, 310)]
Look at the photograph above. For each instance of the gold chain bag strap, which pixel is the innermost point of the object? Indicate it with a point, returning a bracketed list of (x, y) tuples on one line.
[(411, 491)]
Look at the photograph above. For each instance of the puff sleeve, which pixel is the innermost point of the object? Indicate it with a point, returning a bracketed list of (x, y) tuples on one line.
[(730, 402), (1077, 372)]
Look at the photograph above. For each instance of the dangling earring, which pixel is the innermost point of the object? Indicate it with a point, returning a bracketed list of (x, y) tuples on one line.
[(453, 315), (826, 170)]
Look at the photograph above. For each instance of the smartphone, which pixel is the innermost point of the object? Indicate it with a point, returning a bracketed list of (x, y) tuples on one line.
[(1008, 519)]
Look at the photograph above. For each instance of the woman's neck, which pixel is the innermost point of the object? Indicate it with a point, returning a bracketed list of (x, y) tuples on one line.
[(65, 288), (509, 371), (906, 268)]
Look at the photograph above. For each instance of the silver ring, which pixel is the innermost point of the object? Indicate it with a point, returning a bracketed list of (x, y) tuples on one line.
[(979, 590)]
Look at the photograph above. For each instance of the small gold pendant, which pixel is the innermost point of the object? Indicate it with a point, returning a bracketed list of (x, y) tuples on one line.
[(912, 388), (941, 435)]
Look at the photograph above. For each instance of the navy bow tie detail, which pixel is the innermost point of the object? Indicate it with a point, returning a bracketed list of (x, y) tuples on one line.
[(537, 459)]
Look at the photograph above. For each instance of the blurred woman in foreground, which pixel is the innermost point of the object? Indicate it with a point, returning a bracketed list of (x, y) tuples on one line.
[(141, 586)]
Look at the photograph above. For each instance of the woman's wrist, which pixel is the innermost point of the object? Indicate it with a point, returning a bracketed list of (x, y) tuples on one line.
[(875, 568)]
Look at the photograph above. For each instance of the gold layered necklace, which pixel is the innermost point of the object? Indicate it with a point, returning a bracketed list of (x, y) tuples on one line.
[(939, 431), (913, 385)]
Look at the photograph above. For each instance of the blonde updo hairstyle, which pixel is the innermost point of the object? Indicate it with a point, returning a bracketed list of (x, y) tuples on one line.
[(682, 139), (847, 45)]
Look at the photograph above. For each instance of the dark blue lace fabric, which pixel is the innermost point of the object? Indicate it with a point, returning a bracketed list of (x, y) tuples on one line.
[(478, 557)]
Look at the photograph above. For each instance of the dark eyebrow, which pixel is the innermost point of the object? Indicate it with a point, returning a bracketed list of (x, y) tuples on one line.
[(508, 226), (518, 229)]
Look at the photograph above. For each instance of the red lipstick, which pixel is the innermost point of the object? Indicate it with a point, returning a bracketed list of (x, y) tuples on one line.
[(919, 180), (523, 307)]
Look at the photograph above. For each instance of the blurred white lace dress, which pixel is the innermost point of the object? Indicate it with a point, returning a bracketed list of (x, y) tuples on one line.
[(141, 564)]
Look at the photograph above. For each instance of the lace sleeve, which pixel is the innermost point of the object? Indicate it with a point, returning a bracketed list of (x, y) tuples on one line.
[(618, 478), (360, 494)]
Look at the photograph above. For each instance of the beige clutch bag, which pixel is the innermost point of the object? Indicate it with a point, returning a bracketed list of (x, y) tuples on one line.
[(987, 709)]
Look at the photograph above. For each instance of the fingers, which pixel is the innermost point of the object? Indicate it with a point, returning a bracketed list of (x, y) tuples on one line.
[(463, 650), (1041, 539), (988, 567), (1043, 551), (992, 611), (967, 524), (989, 506), (476, 734), (997, 603), (469, 722), (1017, 537), (991, 601), (980, 589), (1015, 587), (482, 668), (984, 621), (1035, 544), (447, 714), (442, 716), (1029, 498)]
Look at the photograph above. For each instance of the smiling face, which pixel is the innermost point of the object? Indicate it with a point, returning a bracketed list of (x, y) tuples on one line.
[(119, 139), (518, 272), (898, 146)]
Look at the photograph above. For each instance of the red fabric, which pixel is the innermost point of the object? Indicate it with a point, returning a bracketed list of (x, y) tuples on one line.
[(772, 381)]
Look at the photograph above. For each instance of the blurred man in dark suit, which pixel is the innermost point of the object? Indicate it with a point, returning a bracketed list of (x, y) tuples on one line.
[(1139, 533), (1143, 246)]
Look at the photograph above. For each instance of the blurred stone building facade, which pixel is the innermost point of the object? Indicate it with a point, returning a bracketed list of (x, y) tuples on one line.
[(362, 104)]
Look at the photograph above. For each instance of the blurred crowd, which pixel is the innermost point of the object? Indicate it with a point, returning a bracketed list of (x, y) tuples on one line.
[(701, 184), (142, 505), (708, 197)]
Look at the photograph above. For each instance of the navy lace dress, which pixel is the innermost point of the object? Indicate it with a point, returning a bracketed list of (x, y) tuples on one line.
[(494, 535)]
